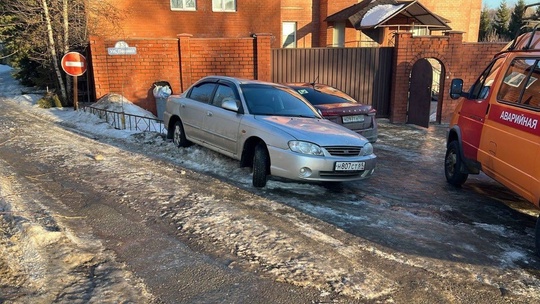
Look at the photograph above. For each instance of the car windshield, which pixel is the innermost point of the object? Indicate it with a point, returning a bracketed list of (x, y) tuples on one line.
[(319, 97), (276, 101)]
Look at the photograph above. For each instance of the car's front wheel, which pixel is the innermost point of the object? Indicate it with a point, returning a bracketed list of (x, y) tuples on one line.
[(261, 162), (452, 165), (179, 137)]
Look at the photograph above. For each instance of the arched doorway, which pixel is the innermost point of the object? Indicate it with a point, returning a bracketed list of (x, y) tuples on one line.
[(425, 104)]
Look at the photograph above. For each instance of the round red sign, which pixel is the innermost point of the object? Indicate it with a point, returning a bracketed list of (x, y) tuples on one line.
[(74, 64)]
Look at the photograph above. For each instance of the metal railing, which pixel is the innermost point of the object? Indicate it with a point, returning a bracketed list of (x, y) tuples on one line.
[(125, 121)]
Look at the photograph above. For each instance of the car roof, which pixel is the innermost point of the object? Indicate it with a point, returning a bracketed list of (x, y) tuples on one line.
[(237, 80)]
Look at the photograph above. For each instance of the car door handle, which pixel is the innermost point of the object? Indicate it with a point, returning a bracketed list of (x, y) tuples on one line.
[(182, 105), (209, 113)]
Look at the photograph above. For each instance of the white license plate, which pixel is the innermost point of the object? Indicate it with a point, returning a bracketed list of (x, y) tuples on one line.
[(353, 118), (349, 166)]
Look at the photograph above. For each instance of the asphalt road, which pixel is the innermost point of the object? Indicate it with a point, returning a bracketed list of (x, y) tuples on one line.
[(196, 235)]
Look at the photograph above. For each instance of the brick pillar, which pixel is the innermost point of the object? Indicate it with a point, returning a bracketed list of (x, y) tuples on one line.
[(400, 78), (262, 57), (185, 60), (98, 52)]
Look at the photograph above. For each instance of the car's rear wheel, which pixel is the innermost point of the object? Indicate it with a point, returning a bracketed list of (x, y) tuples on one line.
[(452, 165), (179, 137), (261, 161)]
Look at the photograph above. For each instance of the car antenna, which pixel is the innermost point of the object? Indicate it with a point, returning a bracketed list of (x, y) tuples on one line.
[(314, 82)]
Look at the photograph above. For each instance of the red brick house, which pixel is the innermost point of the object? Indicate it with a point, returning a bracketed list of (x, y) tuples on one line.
[(296, 23)]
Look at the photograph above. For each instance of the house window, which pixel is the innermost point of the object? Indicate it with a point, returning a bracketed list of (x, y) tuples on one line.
[(183, 5), (420, 31), (339, 35), (289, 35), (224, 5)]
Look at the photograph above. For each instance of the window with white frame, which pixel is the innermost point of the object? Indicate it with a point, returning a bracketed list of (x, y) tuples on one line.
[(183, 5), (289, 35), (224, 5), (420, 31)]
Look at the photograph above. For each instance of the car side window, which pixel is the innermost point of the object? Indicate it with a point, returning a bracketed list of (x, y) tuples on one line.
[(520, 83), (203, 92), (482, 87), (223, 92)]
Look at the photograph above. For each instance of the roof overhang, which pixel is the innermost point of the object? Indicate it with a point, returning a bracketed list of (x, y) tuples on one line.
[(371, 14)]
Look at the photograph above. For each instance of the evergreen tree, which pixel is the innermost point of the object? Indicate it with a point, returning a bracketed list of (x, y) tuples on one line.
[(516, 19), (485, 24), (502, 18)]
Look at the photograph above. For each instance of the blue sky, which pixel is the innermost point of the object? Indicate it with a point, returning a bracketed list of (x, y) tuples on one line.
[(510, 3)]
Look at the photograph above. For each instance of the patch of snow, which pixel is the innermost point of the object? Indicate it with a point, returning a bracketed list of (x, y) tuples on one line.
[(118, 103), (500, 230), (379, 13)]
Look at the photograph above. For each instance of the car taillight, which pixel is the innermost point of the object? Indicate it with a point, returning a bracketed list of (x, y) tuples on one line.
[(329, 113)]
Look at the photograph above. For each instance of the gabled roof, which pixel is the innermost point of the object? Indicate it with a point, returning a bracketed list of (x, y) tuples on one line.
[(370, 14)]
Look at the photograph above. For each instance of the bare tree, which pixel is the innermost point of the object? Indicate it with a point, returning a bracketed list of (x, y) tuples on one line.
[(52, 48), (42, 31)]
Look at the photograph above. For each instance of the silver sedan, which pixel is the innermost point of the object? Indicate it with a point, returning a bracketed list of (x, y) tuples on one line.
[(268, 127)]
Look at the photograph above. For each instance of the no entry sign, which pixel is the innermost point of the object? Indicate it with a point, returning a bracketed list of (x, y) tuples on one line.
[(74, 64)]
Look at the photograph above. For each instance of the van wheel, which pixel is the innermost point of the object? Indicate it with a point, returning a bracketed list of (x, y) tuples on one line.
[(179, 137), (261, 161), (453, 164), (537, 236)]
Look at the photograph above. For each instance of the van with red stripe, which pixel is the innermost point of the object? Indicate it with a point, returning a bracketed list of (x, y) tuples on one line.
[(496, 125)]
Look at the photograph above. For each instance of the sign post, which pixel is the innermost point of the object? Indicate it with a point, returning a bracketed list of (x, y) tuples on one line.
[(74, 64)]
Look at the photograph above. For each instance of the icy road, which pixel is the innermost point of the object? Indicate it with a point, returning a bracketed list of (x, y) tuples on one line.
[(88, 218)]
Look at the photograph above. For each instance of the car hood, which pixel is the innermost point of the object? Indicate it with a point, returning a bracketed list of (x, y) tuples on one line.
[(320, 131), (344, 108)]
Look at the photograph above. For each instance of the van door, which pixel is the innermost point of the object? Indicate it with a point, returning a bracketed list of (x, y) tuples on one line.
[(511, 137), (474, 109)]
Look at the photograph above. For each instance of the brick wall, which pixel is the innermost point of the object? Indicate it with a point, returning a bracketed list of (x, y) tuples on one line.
[(155, 18), (464, 15), (133, 75), (180, 61), (305, 14), (459, 60), (239, 57)]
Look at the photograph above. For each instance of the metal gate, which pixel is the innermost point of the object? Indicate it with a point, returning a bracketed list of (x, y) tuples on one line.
[(420, 93), (363, 73)]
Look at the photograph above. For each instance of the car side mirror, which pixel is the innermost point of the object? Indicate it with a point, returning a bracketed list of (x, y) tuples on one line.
[(456, 88), (230, 104)]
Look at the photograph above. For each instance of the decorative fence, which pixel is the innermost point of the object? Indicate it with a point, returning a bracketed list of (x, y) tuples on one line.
[(125, 121)]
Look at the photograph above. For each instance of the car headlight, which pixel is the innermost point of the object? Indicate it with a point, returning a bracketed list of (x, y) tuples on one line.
[(367, 149), (305, 147)]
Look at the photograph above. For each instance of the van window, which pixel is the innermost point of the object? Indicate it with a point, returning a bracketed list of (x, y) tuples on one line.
[(520, 83), (482, 86)]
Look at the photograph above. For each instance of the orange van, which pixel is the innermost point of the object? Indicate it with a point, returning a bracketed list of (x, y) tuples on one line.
[(496, 125)]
